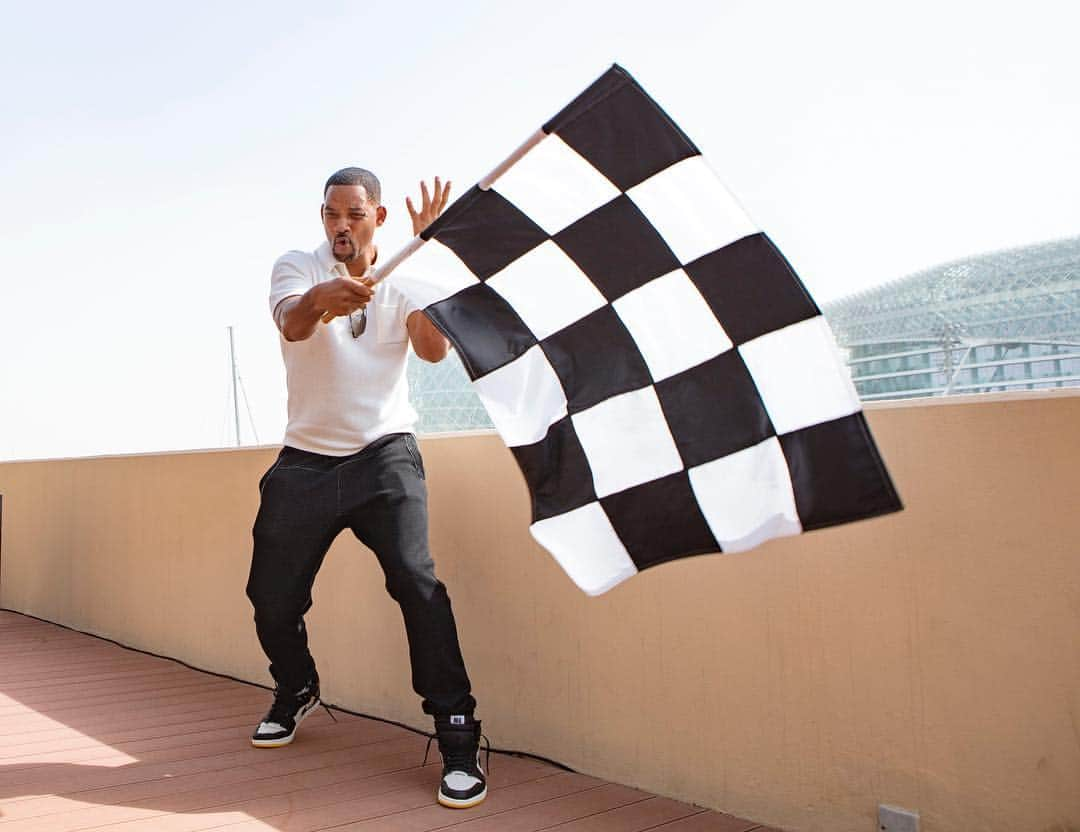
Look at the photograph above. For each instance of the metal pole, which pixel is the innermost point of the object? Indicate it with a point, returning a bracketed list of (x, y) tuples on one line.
[(235, 400)]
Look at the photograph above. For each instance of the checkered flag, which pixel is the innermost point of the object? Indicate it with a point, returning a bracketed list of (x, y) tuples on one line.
[(664, 380)]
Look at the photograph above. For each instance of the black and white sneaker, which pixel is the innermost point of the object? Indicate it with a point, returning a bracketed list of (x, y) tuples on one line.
[(463, 782), (288, 711)]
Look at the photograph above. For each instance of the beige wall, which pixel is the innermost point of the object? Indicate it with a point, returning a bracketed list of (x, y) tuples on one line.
[(930, 659)]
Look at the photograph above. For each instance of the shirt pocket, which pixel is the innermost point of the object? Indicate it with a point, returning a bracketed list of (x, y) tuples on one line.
[(389, 323)]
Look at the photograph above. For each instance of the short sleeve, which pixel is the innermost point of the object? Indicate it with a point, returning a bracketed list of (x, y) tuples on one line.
[(289, 277)]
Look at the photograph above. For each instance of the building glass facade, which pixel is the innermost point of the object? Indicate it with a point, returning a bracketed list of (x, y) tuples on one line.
[(443, 397), (1008, 320)]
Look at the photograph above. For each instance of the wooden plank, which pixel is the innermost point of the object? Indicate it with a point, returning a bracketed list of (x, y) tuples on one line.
[(546, 813), (103, 718), (71, 652), (636, 817), (57, 703), (236, 734), (252, 710), (272, 799), (17, 690), (63, 778), (66, 740), (415, 810), (115, 667), (280, 764), (145, 692), (711, 822)]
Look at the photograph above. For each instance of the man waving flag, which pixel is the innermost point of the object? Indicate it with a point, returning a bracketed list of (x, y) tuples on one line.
[(666, 383)]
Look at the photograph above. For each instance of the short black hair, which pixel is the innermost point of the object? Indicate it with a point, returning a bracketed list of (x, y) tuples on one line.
[(356, 176)]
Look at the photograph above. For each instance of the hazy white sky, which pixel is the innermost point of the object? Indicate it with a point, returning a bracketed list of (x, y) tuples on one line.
[(155, 160)]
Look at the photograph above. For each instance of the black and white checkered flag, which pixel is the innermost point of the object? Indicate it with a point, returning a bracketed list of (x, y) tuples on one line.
[(664, 380)]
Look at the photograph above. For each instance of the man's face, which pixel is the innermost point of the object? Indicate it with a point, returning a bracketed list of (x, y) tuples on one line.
[(350, 220)]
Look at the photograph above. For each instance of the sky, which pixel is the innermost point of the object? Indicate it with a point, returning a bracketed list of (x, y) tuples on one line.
[(155, 159)]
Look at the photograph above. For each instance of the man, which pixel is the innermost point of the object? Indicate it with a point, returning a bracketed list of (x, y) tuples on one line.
[(350, 461)]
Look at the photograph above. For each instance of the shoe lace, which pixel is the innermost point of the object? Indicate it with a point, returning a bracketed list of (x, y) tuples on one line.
[(286, 704), (460, 759), (284, 707)]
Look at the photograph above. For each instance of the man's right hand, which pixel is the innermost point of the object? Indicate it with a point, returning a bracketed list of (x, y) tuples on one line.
[(341, 296), (298, 316)]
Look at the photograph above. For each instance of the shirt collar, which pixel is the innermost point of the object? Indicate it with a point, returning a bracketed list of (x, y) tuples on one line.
[(329, 264), (325, 256)]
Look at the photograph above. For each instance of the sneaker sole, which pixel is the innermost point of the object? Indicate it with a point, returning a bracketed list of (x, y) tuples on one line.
[(451, 803), (283, 741)]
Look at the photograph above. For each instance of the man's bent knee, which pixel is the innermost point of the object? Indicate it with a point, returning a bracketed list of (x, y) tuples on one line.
[(414, 583)]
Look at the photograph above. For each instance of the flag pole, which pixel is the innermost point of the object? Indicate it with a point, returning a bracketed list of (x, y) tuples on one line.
[(410, 248), (403, 254), (511, 160)]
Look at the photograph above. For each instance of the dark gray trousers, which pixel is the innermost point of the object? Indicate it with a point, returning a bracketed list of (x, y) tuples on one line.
[(379, 494)]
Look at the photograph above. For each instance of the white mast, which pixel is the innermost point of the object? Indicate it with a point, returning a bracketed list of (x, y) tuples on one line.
[(235, 386)]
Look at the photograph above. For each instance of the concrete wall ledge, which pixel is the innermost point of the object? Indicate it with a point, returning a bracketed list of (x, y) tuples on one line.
[(928, 660)]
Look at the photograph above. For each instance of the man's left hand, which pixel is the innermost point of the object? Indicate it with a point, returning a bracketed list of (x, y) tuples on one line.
[(431, 205)]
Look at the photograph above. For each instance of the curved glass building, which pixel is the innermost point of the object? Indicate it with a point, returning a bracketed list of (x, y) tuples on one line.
[(443, 397), (1008, 320)]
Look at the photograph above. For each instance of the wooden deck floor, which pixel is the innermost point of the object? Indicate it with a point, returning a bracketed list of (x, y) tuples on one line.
[(94, 736)]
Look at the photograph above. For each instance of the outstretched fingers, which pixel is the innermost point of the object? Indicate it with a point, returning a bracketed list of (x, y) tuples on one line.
[(432, 203), (442, 195)]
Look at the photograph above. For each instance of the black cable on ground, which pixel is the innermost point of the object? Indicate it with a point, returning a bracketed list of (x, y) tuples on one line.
[(507, 751)]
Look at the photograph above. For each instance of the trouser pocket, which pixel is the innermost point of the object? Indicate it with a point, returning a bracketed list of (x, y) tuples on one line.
[(269, 472), (414, 453)]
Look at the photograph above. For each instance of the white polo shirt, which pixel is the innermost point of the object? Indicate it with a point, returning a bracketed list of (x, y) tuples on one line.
[(344, 392)]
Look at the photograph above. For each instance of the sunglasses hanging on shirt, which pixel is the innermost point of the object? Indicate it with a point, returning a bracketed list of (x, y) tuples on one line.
[(358, 323)]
